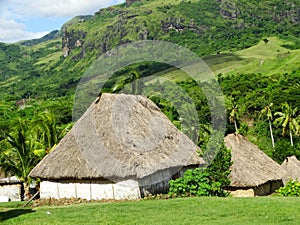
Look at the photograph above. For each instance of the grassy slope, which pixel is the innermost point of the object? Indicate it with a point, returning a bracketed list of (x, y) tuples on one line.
[(262, 210), (270, 58), (267, 59)]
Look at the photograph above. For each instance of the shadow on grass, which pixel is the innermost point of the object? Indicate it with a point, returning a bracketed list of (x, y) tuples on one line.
[(13, 213)]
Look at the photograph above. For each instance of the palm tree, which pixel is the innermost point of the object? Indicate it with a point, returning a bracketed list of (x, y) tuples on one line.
[(27, 144), (46, 130), (17, 154), (267, 111), (232, 106), (288, 120)]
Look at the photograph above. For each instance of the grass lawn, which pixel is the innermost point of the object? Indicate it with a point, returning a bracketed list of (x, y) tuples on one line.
[(259, 210)]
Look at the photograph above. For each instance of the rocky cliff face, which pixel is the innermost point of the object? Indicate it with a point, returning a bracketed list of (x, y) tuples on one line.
[(72, 40)]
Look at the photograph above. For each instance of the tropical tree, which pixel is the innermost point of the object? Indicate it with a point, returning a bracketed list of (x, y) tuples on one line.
[(47, 131), (288, 120), (27, 143), (17, 153), (232, 107), (268, 113)]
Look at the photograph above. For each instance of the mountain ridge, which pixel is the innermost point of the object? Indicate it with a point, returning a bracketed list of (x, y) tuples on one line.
[(52, 67)]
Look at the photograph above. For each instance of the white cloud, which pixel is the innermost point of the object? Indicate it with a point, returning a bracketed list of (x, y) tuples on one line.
[(60, 8), (15, 15), (10, 32)]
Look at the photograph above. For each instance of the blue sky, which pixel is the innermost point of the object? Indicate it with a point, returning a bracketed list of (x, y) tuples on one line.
[(29, 19)]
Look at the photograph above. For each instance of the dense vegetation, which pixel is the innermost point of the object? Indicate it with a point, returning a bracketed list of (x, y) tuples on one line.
[(210, 181), (291, 189), (252, 46), (27, 142)]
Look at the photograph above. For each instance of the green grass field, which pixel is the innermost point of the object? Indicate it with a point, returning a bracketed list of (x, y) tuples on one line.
[(267, 59), (259, 210)]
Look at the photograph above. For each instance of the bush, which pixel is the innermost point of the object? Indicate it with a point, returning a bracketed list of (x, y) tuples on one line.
[(208, 181), (292, 189), (195, 182)]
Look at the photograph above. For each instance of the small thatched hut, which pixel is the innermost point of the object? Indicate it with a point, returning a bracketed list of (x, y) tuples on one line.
[(123, 147), (292, 166), (253, 173), (11, 189)]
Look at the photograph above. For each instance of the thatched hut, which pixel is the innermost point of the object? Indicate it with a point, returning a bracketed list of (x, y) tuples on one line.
[(123, 147), (11, 188), (292, 166), (253, 173)]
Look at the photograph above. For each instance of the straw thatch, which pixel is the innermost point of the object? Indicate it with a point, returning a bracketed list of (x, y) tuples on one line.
[(119, 136), (292, 166), (251, 167), (2, 174)]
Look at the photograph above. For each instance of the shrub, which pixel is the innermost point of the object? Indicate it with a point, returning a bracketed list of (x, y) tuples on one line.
[(208, 181), (219, 169), (194, 183), (292, 188)]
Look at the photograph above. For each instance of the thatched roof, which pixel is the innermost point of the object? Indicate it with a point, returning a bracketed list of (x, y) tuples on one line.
[(292, 166), (251, 167), (119, 136), (10, 180), (2, 174)]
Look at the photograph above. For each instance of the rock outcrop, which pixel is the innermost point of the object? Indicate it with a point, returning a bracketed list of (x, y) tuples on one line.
[(72, 40)]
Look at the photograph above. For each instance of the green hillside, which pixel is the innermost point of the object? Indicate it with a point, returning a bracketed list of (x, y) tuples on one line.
[(205, 27), (252, 46), (266, 58)]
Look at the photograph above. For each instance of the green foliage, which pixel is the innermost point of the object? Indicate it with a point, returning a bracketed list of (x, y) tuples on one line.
[(205, 182), (27, 142), (283, 149), (219, 169), (288, 119), (194, 183), (39, 74), (291, 189), (18, 153), (257, 93), (184, 104), (234, 112), (205, 27), (255, 90)]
